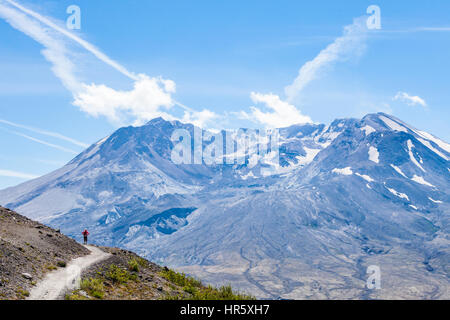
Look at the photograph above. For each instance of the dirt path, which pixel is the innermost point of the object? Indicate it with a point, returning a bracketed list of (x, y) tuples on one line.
[(56, 283)]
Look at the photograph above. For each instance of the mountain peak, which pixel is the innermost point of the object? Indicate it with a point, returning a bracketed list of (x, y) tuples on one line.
[(374, 184), (155, 121)]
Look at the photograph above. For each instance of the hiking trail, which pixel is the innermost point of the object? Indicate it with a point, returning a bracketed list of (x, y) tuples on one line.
[(58, 282)]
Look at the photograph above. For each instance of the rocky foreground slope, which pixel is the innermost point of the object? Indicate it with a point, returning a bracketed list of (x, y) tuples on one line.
[(29, 251)]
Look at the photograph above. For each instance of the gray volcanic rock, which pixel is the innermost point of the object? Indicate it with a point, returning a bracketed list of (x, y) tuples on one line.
[(28, 251), (354, 194)]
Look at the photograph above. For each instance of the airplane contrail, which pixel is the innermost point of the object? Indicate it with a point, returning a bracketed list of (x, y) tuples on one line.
[(16, 174), (89, 47), (45, 132), (55, 146)]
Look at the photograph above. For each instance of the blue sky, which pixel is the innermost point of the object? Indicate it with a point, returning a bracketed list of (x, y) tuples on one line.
[(211, 62)]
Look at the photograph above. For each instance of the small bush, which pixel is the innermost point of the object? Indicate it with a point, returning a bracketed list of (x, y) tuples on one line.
[(94, 287), (119, 275), (180, 279), (189, 289), (75, 297), (22, 293), (196, 291), (133, 265), (61, 264)]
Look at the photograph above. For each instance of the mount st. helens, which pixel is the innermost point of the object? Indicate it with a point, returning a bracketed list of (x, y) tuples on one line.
[(345, 196)]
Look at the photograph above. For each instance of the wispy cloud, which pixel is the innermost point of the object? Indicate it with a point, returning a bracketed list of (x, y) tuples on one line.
[(283, 113), (45, 132), (434, 29), (15, 174), (350, 44), (200, 118), (149, 98), (86, 45), (418, 29), (55, 51), (48, 144), (53, 163), (409, 99)]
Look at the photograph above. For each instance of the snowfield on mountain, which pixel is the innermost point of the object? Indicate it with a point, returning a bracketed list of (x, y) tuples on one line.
[(357, 193)]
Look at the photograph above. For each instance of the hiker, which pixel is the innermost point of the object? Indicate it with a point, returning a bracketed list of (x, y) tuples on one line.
[(85, 234)]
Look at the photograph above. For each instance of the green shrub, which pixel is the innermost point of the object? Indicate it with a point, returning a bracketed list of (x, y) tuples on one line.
[(119, 275), (61, 264), (180, 279), (51, 267), (141, 261), (94, 287), (133, 265), (75, 296), (196, 291), (22, 293), (189, 289), (222, 293)]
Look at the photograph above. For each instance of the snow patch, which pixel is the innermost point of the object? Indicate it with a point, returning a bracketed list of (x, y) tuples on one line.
[(393, 125), (443, 145), (421, 181), (429, 146), (102, 141), (344, 171), (411, 156), (435, 201), (398, 194), (374, 155), (368, 130), (249, 175), (399, 170), (365, 177), (330, 137), (309, 157)]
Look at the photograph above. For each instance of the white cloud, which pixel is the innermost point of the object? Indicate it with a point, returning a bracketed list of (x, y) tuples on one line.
[(15, 174), (410, 100), (351, 44), (283, 114), (144, 102), (199, 118), (150, 96)]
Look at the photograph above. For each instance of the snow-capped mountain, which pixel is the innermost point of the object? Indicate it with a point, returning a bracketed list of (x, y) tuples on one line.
[(341, 198)]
